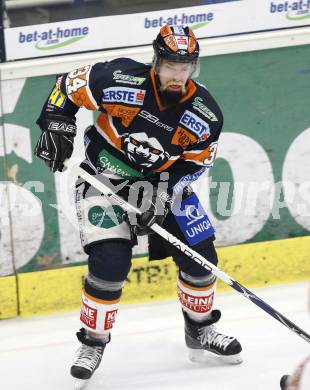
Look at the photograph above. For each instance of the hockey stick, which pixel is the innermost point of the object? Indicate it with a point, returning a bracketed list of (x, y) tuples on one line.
[(191, 253)]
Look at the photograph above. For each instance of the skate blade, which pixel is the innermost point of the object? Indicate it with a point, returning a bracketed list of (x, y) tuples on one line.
[(200, 356), (232, 359), (80, 384), (196, 355)]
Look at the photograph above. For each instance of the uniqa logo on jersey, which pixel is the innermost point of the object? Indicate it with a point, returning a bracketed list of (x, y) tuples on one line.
[(123, 95), (193, 220)]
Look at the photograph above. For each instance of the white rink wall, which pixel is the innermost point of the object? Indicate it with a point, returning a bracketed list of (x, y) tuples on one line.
[(264, 147)]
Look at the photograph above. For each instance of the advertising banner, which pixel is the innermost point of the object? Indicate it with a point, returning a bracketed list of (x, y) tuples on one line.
[(207, 21), (258, 189)]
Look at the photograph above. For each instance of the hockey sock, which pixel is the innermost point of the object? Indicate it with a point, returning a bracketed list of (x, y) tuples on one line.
[(196, 299), (98, 315)]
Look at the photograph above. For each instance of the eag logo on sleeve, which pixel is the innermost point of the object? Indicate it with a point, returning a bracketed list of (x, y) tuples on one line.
[(123, 95), (195, 124)]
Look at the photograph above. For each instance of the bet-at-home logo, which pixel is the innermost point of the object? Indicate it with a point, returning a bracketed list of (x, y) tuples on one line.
[(293, 10), (106, 218), (54, 38)]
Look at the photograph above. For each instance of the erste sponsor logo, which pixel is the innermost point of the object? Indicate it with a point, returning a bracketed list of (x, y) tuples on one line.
[(123, 95), (195, 124)]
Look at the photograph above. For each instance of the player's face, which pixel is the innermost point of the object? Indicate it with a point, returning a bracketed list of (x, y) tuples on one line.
[(174, 75)]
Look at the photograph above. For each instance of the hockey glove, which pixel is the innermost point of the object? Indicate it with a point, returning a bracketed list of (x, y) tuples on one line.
[(156, 207), (55, 144)]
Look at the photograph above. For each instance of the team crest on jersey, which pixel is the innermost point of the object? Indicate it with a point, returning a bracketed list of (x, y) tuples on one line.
[(195, 124), (145, 151), (123, 95)]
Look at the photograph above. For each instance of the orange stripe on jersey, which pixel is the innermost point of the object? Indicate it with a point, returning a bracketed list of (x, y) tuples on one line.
[(165, 166), (199, 157), (127, 114), (78, 89), (104, 125), (190, 90)]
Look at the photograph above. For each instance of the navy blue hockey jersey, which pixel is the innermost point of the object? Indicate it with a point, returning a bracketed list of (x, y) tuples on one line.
[(135, 135)]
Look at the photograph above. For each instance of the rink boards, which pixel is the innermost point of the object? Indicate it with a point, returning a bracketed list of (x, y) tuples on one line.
[(257, 194), (259, 264)]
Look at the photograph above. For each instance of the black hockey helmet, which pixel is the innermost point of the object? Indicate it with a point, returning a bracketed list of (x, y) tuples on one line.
[(176, 43)]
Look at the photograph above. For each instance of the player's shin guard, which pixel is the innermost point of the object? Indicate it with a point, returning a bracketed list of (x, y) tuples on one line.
[(196, 295), (200, 332), (97, 317)]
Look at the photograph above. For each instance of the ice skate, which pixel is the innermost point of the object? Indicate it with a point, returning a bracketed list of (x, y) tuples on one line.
[(87, 359), (283, 381), (203, 336)]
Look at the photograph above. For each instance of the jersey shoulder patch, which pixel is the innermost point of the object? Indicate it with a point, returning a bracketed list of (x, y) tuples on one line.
[(195, 124), (205, 106), (119, 81), (122, 71)]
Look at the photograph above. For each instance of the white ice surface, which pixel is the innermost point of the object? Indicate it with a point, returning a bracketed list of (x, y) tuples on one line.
[(147, 350)]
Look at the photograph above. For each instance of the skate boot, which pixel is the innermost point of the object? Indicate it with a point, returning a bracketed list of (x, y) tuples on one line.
[(283, 381), (87, 358), (203, 336)]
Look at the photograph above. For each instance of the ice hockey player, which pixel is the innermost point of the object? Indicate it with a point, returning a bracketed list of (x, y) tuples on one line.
[(300, 379), (157, 130)]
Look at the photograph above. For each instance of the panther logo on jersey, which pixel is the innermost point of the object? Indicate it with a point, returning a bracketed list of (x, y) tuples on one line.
[(145, 151)]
